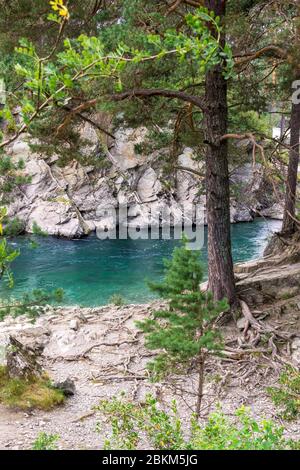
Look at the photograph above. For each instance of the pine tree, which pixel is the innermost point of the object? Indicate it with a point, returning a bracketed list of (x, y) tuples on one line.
[(185, 331)]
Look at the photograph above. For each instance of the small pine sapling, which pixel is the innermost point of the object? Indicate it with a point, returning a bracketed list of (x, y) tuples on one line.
[(185, 331)]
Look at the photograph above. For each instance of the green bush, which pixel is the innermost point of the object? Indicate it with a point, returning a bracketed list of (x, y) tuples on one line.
[(45, 442), (36, 230), (133, 426), (117, 300), (13, 227), (32, 304), (36, 393), (184, 333), (287, 395)]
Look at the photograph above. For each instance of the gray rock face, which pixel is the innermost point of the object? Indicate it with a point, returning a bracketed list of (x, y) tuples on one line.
[(273, 212), (21, 360), (149, 186), (75, 200), (35, 338), (269, 283)]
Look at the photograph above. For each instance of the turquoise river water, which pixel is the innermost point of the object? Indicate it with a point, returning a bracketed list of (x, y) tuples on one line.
[(90, 270)]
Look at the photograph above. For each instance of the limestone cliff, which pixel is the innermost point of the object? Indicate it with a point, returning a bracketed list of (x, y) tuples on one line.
[(70, 201)]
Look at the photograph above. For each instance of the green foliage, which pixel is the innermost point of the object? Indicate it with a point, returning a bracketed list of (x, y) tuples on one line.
[(13, 227), (185, 330), (36, 230), (243, 434), (117, 300), (12, 176), (32, 304), (287, 395), (87, 57), (28, 394), (146, 49), (251, 121), (45, 441), (7, 255), (128, 420), (68, 144), (96, 64), (136, 425)]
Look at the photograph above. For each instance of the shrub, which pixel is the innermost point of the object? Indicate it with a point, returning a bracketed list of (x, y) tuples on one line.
[(185, 331), (13, 227), (134, 426), (22, 394), (287, 395), (32, 304), (45, 442), (117, 300), (36, 230)]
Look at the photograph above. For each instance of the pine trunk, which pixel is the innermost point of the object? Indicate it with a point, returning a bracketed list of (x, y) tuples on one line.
[(201, 365), (289, 225), (221, 275)]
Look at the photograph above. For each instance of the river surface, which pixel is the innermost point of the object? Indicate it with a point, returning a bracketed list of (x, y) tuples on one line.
[(90, 270)]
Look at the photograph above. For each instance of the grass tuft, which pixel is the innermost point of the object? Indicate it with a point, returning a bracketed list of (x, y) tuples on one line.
[(286, 395), (35, 393)]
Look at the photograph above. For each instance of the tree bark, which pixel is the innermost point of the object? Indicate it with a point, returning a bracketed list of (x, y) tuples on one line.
[(201, 365), (220, 264), (289, 225)]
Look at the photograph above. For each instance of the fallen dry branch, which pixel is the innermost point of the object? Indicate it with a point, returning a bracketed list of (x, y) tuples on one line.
[(237, 354), (121, 378)]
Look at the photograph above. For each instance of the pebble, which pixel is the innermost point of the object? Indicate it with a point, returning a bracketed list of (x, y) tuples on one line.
[(74, 324)]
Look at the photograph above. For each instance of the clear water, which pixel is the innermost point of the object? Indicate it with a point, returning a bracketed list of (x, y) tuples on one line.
[(90, 271)]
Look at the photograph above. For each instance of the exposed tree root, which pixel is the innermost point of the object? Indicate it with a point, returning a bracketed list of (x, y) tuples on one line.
[(256, 331)]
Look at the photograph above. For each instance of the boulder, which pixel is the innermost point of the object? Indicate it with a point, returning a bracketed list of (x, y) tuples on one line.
[(55, 218), (67, 387), (148, 186), (240, 214), (74, 324), (269, 284), (273, 212), (35, 338), (21, 360)]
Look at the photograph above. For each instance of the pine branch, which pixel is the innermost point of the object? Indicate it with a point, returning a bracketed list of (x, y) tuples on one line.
[(148, 93)]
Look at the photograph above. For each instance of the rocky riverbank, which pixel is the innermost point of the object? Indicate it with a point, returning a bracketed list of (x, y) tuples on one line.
[(70, 201)]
